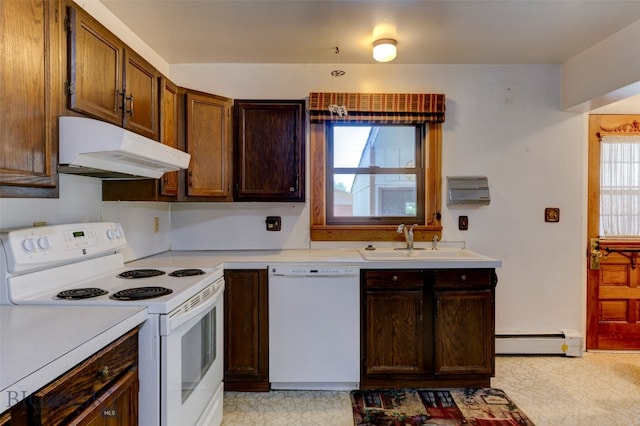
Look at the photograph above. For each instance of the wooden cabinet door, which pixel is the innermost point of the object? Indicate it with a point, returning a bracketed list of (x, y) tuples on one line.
[(169, 131), (117, 406), (140, 113), (208, 140), (29, 77), (107, 80), (59, 401), (464, 332), (95, 62), (270, 150), (246, 335), (393, 333), (5, 418)]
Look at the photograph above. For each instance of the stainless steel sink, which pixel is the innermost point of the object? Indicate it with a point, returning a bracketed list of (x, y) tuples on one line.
[(418, 254)]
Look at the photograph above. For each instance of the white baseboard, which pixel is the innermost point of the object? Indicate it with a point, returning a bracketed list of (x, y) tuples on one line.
[(569, 343)]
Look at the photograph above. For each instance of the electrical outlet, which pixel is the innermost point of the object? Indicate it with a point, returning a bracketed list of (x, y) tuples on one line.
[(274, 223), (463, 223), (156, 224)]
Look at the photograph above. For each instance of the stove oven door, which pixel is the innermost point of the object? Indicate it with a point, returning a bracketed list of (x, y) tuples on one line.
[(192, 363)]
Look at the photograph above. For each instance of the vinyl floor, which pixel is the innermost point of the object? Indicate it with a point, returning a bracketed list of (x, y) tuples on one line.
[(595, 389)]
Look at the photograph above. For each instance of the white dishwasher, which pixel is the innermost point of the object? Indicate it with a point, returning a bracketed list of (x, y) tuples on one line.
[(314, 327)]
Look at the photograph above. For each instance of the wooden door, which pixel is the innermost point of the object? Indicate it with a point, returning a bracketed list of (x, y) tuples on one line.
[(246, 331), (140, 113), (95, 68), (208, 140), (29, 77), (270, 150), (613, 265), (394, 334), (464, 332), (169, 131)]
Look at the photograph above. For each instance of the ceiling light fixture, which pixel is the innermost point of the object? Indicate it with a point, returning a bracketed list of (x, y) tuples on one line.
[(385, 50)]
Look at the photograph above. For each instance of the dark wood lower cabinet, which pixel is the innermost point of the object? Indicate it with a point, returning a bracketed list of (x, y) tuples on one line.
[(5, 419), (100, 391), (117, 406), (427, 328), (463, 322), (246, 332)]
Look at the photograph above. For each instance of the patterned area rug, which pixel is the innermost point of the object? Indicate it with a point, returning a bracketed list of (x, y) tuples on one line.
[(398, 407)]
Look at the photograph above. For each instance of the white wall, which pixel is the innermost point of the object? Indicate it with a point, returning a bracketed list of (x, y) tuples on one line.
[(503, 122), (606, 72), (138, 221), (79, 201), (232, 226)]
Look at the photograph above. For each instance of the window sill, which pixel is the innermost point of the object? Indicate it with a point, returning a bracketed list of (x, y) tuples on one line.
[(371, 233)]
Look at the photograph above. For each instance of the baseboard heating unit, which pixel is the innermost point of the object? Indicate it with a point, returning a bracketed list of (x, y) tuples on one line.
[(569, 343)]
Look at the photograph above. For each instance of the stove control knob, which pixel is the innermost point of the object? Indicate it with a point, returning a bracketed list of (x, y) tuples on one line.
[(29, 244), (44, 243)]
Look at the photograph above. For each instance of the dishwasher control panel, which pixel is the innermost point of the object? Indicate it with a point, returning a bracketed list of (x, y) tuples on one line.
[(313, 270)]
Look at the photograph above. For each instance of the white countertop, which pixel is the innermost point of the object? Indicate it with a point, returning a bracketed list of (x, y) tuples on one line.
[(39, 343), (260, 259)]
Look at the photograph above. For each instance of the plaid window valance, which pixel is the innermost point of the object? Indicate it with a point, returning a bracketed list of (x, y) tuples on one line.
[(377, 107)]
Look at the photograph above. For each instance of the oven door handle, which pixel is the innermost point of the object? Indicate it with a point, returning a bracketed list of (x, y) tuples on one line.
[(175, 319)]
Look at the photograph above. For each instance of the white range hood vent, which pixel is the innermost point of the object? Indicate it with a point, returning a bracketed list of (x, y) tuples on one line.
[(95, 148)]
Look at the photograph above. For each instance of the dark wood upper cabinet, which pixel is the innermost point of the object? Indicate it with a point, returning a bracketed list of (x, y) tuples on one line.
[(29, 77), (269, 150), (107, 80)]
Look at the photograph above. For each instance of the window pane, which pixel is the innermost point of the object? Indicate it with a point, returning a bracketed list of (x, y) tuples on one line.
[(620, 187), (379, 146), (379, 195)]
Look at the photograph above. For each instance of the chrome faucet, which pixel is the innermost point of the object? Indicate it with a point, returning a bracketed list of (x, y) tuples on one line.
[(408, 234), (434, 243)]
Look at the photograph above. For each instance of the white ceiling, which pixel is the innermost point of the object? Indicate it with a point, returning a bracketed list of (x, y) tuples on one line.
[(428, 31)]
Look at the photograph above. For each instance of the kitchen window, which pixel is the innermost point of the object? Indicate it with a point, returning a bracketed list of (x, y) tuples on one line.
[(375, 174), (391, 174)]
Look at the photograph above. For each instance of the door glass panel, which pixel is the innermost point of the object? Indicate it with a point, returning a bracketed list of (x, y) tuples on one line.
[(620, 186), (198, 352)]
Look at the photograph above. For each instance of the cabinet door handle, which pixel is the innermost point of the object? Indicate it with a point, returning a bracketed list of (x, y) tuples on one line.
[(463, 277), (130, 110), (295, 188), (190, 179), (104, 372), (394, 278)]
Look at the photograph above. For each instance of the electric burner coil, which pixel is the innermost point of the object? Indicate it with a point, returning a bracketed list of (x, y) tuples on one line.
[(140, 293), (141, 273), (186, 272), (81, 293)]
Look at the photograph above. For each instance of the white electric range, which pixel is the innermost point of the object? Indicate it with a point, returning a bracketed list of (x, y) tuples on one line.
[(181, 344)]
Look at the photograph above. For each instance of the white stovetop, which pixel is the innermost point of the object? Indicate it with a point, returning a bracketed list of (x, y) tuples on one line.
[(38, 343)]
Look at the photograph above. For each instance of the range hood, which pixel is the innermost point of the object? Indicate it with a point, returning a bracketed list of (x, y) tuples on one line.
[(94, 148)]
